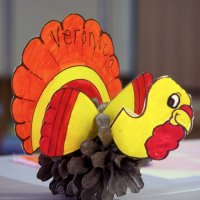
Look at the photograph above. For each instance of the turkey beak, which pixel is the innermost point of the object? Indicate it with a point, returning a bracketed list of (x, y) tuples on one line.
[(183, 116)]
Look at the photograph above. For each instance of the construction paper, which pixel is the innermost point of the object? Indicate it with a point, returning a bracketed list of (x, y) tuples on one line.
[(72, 65)]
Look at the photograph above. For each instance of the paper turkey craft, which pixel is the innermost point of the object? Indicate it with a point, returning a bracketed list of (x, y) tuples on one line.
[(93, 135)]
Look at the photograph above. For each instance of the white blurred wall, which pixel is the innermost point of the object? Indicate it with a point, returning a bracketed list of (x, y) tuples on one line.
[(28, 17)]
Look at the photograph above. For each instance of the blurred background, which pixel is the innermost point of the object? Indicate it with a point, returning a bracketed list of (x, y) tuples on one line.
[(158, 36)]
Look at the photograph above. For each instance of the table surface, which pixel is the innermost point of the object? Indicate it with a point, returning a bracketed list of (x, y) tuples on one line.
[(175, 178)]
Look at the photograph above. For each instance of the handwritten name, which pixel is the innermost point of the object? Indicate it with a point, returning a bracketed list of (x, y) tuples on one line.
[(71, 37)]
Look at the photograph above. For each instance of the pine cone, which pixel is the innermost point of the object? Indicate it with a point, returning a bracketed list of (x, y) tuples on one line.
[(97, 171)]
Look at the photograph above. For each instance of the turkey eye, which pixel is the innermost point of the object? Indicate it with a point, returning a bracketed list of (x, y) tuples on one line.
[(173, 101)]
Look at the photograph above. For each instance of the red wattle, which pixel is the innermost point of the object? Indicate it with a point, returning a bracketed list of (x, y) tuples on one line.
[(164, 139)]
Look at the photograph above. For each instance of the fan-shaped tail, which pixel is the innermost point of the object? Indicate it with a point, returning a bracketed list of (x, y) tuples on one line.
[(71, 52)]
